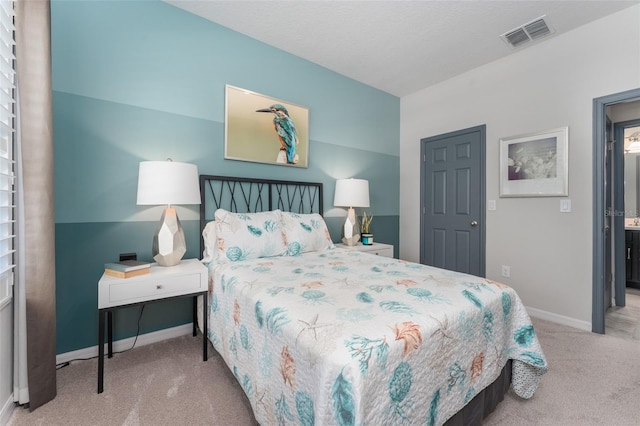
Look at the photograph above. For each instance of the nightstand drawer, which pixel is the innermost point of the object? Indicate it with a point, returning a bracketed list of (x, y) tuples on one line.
[(386, 252), (379, 249), (189, 276), (153, 288)]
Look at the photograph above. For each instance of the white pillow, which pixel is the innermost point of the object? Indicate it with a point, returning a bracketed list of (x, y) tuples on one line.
[(305, 232), (210, 237), (249, 235)]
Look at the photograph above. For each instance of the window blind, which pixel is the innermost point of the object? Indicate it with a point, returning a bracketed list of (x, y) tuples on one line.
[(7, 138)]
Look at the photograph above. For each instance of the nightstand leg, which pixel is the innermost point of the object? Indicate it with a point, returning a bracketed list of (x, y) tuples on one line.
[(100, 350), (110, 332), (195, 316), (204, 326)]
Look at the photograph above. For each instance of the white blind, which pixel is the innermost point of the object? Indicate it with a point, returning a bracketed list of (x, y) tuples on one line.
[(7, 137)]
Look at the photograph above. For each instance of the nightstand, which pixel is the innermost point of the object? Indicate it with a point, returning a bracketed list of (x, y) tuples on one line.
[(186, 279), (379, 249)]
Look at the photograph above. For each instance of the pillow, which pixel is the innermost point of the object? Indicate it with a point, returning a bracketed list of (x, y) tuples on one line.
[(305, 232), (210, 238), (249, 235)]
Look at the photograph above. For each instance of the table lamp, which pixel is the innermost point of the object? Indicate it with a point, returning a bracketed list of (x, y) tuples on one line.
[(351, 193), (169, 183)]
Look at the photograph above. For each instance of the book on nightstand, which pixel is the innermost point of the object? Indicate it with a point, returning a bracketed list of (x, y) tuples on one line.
[(120, 274), (127, 265), (127, 268)]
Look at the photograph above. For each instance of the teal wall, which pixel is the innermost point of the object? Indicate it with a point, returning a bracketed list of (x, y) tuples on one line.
[(143, 80)]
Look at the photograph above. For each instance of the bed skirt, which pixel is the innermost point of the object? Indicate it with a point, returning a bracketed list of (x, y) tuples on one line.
[(485, 402)]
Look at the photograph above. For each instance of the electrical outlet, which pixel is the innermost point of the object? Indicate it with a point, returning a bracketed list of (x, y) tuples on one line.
[(506, 271)]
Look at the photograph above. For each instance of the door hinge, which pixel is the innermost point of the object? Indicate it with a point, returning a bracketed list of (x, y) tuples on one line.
[(424, 210), (424, 158), (610, 145)]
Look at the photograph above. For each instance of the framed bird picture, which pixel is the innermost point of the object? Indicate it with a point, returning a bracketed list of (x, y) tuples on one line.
[(263, 129)]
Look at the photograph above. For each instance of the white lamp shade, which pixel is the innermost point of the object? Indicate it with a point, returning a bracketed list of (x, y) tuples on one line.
[(351, 193), (168, 182)]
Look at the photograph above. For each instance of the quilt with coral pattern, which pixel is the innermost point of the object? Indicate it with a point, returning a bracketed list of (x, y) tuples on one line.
[(346, 337)]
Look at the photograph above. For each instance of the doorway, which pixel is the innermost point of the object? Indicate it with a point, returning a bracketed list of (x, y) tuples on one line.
[(603, 256), (622, 318), (452, 199), (627, 132)]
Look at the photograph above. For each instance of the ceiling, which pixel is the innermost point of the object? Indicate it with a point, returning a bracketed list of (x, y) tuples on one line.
[(397, 46)]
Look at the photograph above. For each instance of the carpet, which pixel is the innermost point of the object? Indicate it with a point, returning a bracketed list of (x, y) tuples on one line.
[(592, 380)]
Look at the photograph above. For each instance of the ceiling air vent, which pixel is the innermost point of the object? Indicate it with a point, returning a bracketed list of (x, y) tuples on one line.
[(516, 37), (528, 32)]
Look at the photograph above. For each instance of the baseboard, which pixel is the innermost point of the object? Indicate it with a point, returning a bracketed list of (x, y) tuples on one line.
[(559, 319), (7, 410), (120, 345)]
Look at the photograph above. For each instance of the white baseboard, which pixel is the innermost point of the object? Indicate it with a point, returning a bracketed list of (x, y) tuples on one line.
[(120, 345), (7, 410), (559, 319)]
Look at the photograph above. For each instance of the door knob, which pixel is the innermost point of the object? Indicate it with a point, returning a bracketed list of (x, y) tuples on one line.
[(474, 223)]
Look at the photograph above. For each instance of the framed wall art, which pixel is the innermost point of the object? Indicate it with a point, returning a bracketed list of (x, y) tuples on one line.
[(535, 164), (263, 129)]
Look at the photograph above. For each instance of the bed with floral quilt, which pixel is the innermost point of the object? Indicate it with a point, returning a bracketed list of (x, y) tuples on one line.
[(315, 334)]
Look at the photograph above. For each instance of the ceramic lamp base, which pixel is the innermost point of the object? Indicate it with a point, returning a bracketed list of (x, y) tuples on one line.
[(351, 241), (351, 229), (169, 244)]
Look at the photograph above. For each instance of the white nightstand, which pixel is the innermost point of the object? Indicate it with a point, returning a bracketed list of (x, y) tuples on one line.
[(379, 249), (188, 278)]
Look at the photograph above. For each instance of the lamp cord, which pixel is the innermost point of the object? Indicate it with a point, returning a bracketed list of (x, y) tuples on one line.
[(66, 363)]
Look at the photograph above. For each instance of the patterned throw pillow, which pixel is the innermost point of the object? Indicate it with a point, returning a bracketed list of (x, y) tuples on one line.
[(305, 232), (249, 235), (210, 238)]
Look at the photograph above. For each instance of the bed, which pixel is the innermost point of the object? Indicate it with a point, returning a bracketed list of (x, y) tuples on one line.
[(315, 334)]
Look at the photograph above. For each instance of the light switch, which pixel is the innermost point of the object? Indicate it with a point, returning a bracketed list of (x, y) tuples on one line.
[(565, 206), (491, 204)]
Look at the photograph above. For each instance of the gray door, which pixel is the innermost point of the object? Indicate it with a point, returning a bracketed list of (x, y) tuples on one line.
[(452, 228)]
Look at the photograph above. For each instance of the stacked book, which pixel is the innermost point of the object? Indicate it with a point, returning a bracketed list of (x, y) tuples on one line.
[(127, 268)]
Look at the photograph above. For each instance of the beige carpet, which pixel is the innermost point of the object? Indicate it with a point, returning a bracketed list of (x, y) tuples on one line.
[(165, 383), (592, 380)]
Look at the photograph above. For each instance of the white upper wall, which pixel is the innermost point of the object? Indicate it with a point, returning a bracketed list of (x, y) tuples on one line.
[(548, 85)]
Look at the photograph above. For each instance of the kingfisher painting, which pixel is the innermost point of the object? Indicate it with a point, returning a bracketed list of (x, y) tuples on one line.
[(286, 131)]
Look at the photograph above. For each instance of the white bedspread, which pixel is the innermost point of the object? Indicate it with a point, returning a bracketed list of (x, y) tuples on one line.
[(337, 337)]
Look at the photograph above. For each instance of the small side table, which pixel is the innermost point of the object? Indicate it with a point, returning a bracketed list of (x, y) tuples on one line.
[(379, 249), (186, 279)]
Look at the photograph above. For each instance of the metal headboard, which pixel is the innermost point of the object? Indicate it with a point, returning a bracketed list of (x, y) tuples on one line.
[(250, 195)]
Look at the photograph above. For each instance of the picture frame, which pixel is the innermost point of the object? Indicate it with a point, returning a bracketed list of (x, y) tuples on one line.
[(535, 164), (262, 129)]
